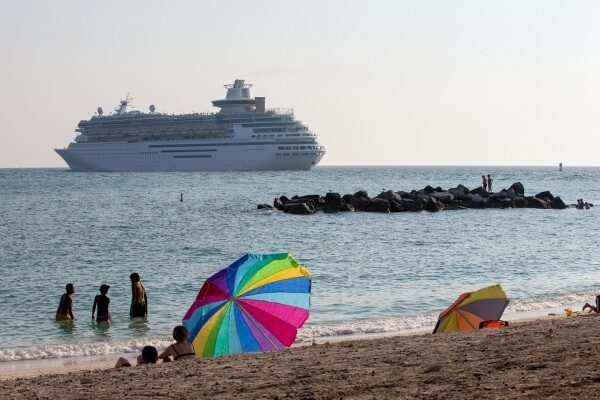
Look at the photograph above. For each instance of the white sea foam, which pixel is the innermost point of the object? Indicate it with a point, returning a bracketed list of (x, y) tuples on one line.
[(82, 349)]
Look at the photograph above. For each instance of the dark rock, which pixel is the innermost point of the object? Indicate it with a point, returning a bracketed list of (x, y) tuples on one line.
[(313, 197), (316, 199), (296, 200), (481, 192), (404, 195), (390, 196), (264, 207), (333, 203), (397, 206), (278, 204), (456, 205), (458, 194), (362, 193), (520, 202), (535, 202), (438, 189), (427, 189), (347, 207), (502, 203), (557, 203), (444, 197), (299, 208), (350, 199), (464, 189), (433, 205), (376, 205), (518, 188), (511, 194), (412, 205), (422, 198), (546, 196), (475, 201)]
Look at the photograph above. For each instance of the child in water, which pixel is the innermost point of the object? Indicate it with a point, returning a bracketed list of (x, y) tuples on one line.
[(102, 301)]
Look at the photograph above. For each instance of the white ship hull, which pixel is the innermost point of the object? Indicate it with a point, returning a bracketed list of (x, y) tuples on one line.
[(188, 155)]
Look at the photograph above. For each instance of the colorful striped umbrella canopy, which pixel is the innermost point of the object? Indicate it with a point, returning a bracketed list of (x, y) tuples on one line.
[(256, 304), (471, 308)]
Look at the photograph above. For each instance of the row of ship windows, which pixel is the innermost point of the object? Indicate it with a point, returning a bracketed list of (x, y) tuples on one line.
[(296, 154), (300, 148), (281, 134)]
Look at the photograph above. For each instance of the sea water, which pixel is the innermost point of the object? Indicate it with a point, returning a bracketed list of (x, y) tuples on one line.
[(372, 273)]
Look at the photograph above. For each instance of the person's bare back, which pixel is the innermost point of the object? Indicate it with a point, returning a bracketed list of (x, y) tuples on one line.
[(139, 298)]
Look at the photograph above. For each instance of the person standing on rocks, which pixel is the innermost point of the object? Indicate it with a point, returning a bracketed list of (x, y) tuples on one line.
[(489, 183), (483, 182)]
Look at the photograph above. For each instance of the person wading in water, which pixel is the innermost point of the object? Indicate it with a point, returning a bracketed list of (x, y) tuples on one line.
[(102, 302), (65, 306), (139, 299)]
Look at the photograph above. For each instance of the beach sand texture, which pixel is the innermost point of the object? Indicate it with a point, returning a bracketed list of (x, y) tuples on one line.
[(548, 358)]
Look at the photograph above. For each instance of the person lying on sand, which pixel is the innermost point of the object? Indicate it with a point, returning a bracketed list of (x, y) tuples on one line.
[(149, 356), (182, 349), (591, 307)]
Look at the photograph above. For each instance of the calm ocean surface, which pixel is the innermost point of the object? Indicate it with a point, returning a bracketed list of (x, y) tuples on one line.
[(371, 272)]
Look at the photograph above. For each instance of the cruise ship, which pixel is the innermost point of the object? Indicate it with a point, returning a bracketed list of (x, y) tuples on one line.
[(242, 135)]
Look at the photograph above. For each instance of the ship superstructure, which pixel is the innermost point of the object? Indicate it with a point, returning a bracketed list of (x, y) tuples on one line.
[(243, 135)]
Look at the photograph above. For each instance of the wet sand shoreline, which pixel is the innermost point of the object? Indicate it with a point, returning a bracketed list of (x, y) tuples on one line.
[(546, 358)]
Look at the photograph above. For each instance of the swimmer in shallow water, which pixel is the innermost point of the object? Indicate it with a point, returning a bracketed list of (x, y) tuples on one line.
[(102, 301), (139, 298), (65, 305)]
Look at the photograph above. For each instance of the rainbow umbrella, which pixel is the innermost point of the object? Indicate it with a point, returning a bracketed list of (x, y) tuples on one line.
[(256, 304), (471, 308)]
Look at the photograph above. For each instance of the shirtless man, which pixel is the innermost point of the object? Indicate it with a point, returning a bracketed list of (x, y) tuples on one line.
[(65, 306), (139, 300)]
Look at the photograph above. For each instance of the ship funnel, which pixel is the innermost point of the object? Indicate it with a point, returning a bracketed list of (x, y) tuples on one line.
[(260, 104)]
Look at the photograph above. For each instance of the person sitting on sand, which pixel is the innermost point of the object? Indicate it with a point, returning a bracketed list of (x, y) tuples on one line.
[(591, 307), (102, 301), (65, 306), (182, 349), (149, 356)]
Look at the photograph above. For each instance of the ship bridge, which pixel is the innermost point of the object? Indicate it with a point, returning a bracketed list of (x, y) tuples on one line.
[(238, 99)]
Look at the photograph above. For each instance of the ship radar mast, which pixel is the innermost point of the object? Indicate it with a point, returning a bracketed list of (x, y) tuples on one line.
[(122, 108)]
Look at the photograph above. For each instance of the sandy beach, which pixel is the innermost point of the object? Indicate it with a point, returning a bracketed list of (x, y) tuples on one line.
[(547, 358)]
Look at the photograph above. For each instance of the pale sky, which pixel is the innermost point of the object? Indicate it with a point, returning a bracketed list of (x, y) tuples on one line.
[(381, 83)]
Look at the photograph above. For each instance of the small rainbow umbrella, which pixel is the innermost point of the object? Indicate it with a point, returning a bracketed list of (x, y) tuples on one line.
[(471, 308), (256, 304)]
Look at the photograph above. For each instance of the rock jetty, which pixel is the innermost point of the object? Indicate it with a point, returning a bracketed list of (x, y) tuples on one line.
[(426, 199)]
